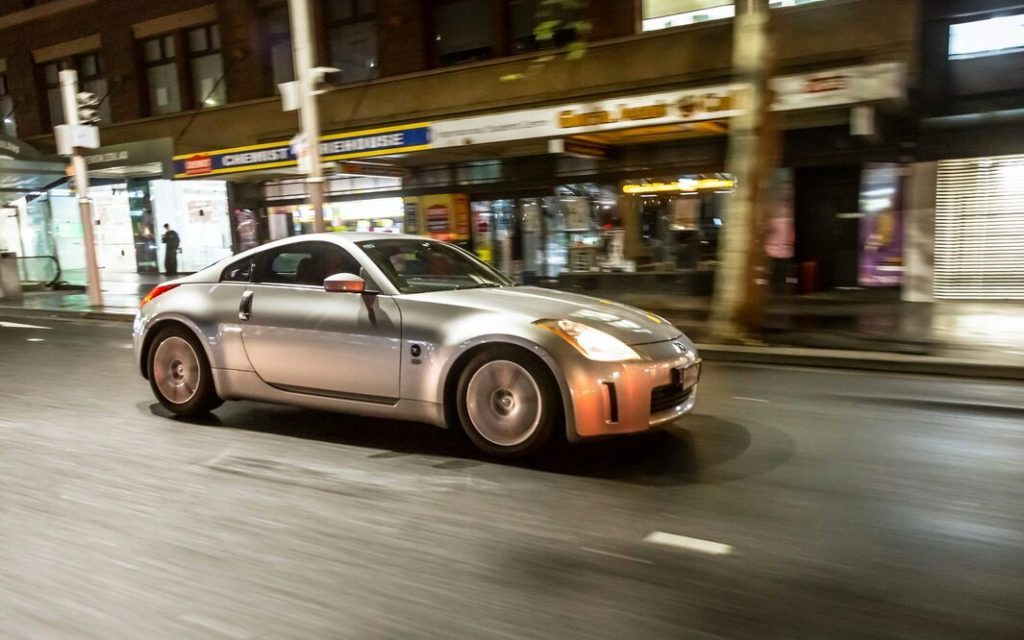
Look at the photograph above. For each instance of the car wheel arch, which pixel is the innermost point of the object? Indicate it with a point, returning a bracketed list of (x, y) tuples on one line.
[(159, 326), (469, 351)]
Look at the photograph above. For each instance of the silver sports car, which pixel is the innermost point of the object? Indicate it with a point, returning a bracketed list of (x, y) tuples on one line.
[(411, 328)]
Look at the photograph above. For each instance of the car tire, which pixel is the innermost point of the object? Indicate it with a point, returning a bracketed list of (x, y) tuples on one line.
[(508, 401), (180, 374)]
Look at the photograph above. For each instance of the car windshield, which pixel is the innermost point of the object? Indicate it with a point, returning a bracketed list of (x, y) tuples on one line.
[(415, 265)]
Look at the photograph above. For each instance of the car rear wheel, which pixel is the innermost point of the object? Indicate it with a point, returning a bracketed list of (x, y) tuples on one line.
[(508, 402), (180, 375)]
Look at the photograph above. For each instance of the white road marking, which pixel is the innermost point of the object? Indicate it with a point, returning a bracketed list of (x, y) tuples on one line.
[(34, 340), (690, 544), (17, 325), (749, 399), (616, 555)]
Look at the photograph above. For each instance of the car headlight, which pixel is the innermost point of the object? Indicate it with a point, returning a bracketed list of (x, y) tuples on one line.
[(593, 343)]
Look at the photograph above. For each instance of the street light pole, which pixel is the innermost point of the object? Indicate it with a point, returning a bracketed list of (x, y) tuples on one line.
[(69, 96), (309, 117)]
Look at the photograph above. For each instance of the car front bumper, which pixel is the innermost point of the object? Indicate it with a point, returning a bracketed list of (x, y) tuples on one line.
[(626, 397)]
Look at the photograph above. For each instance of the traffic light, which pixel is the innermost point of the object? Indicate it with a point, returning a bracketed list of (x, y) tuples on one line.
[(88, 107)]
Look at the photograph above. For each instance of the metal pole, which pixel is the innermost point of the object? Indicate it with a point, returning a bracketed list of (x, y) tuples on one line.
[(68, 93), (309, 117)]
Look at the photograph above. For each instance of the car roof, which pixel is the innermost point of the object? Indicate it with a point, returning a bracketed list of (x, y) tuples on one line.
[(345, 239)]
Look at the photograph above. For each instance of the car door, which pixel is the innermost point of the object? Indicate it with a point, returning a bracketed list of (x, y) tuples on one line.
[(301, 338)]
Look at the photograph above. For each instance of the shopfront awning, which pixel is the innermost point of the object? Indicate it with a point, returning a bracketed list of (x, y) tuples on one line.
[(23, 172)]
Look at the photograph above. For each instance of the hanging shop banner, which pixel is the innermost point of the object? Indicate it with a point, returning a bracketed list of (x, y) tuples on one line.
[(847, 85), (837, 87), (273, 155)]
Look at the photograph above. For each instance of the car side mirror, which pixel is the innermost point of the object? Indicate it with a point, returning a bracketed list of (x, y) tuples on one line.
[(344, 283)]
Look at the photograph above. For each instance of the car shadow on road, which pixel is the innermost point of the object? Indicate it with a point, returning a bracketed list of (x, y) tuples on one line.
[(683, 453)]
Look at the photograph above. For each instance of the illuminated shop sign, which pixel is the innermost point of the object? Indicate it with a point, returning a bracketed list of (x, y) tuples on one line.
[(683, 185), (832, 87), (339, 146)]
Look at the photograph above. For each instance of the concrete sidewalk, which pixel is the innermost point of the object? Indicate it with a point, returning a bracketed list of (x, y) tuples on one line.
[(850, 330)]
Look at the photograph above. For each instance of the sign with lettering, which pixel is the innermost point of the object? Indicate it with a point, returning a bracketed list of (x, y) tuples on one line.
[(14, 148), (134, 158), (847, 85), (338, 146)]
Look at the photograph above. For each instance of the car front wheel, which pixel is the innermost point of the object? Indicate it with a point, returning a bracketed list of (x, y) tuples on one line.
[(179, 373), (508, 401)]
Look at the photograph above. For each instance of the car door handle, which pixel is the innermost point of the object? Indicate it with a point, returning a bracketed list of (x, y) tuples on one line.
[(245, 306)]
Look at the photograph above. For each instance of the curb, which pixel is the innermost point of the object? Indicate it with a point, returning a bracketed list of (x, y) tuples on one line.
[(785, 356), (861, 361), (67, 313)]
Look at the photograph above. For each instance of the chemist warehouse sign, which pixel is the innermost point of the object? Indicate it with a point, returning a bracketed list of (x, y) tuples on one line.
[(272, 155)]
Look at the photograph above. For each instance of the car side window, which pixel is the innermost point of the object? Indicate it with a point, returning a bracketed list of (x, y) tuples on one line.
[(307, 263), (240, 271)]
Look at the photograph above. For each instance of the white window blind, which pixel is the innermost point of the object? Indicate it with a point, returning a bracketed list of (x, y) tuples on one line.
[(979, 229)]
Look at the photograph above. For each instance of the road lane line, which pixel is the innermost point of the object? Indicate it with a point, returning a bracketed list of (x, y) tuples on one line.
[(690, 544), (34, 340), (749, 399), (18, 325), (616, 555)]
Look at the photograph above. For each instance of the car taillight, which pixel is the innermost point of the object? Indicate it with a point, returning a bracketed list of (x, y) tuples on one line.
[(158, 290)]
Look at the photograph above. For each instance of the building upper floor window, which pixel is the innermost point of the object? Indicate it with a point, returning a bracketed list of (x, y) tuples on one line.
[(992, 36), (192, 79), (277, 43), (162, 74), (207, 66), (664, 14), (472, 30), (8, 126), (465, 31), (90, 78), (352, 38)]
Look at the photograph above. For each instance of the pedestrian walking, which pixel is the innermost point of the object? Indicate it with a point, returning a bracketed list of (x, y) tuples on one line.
[(173, 242)]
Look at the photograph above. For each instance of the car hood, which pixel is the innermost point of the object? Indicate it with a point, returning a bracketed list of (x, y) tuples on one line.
[(631, 325)]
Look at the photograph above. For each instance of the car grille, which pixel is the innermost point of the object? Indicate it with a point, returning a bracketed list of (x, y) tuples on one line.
[(668, 396)]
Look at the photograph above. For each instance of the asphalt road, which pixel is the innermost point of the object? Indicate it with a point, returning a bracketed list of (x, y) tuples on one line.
[(795, 503)]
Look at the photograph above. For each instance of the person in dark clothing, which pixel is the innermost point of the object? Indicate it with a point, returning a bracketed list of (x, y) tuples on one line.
[(173, 242)]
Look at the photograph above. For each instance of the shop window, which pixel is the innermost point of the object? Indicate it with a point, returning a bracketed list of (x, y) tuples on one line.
[(465, 31), (478, 172), (352, 38), (665, 14), (162, 75), (90, 78), (8, 126), (433, 175), (207, 66)]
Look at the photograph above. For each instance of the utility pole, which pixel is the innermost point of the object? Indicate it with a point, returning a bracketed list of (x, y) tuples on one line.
[(307, 77), (72, 137), (753, 147)]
